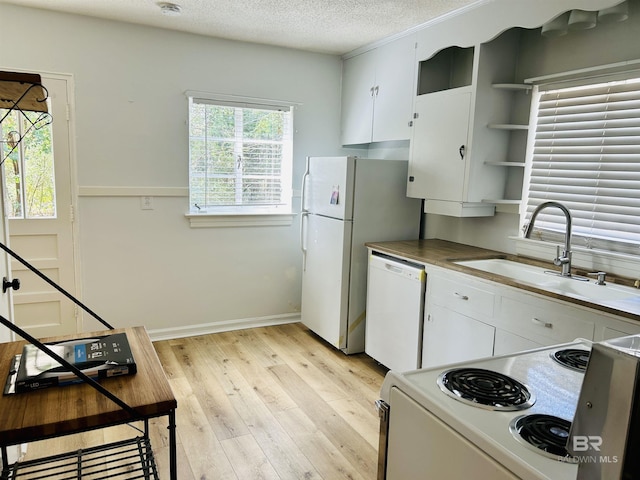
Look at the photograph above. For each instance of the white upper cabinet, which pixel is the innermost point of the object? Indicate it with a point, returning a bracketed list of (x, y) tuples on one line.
[(377, 93), (438, 149), (358, 83), (453, 140), (469, 134)]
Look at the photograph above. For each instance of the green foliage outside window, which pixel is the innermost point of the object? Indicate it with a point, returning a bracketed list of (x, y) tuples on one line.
[(29, 170), (236, 155)]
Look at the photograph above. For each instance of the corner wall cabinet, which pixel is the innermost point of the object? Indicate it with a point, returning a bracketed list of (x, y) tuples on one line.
[(460, 142), (377, 93)]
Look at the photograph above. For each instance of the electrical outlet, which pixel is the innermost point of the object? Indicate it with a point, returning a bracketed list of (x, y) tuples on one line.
[(146, 203)]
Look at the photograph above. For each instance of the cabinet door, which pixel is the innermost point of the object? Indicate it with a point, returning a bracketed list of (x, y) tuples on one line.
[(436, 166), (358, 81), (450, 337), (393, 106)]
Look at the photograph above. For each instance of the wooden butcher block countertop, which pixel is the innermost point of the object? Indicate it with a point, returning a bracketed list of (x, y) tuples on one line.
[(443, 253)]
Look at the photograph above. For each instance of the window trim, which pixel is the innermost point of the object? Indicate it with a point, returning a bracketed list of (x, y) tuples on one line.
[(243, 215), (237, 219)]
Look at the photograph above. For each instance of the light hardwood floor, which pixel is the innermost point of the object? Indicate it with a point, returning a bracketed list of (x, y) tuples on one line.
[(264, 403)]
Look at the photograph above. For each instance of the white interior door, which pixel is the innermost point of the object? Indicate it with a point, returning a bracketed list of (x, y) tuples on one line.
[(43, 235), (325, 280)]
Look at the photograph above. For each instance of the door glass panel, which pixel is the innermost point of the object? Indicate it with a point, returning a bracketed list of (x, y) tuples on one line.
[(29, 169)]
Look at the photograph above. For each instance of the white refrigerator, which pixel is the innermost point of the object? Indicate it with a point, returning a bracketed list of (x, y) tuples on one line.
[(347, 201)]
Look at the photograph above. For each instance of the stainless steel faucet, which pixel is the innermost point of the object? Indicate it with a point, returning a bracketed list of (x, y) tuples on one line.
[(563, 260)]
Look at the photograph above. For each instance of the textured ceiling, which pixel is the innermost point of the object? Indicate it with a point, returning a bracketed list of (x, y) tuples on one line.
[(327, 26)]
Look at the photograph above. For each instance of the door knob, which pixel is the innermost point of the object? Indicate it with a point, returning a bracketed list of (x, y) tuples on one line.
[(6, 284)]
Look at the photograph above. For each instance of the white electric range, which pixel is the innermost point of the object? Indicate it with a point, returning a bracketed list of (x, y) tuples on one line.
[(429, 431)]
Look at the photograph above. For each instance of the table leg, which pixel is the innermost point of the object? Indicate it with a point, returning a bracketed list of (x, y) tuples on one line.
[(5, 463), (173, 461)]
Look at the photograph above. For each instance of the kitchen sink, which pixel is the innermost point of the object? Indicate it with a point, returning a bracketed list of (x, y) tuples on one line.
[(542, 278)]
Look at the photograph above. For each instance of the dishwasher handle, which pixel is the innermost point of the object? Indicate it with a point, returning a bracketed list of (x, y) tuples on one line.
[(393, 268), (397, 266)]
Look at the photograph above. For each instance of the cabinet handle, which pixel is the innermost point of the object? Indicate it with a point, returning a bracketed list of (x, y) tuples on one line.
[(371, 90), (376, 90), (461, 151), (537, 321), (460, 296)]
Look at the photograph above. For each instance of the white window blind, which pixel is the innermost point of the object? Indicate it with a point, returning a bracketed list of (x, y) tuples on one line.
[(586, 155), (239, 156)]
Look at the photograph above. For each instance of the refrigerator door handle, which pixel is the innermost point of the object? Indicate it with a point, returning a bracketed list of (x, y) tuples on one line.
[(303, 216), (303, 220), (303, 193)]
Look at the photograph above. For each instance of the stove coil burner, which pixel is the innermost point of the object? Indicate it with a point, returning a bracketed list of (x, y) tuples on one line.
[(572, 358), (545, 434), (485, 389)]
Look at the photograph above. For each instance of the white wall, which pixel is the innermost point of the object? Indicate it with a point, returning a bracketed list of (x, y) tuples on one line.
[(148, 267)]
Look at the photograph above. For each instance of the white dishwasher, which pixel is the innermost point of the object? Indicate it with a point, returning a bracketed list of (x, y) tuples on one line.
[(395, 307)]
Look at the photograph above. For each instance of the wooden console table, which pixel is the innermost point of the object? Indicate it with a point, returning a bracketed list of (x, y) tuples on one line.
[(58, 411)]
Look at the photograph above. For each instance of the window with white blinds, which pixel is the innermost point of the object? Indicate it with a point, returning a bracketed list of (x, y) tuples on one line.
[(240, 156), (586, 155)]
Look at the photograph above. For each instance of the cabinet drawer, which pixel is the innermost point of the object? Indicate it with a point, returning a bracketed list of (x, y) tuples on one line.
[(546, 319), (462, 296)]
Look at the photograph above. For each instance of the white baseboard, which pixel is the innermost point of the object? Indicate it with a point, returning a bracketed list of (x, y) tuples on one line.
[(218, 327)]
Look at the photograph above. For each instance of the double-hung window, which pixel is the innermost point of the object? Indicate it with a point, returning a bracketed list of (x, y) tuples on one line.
[(240, 156), (586, 155)]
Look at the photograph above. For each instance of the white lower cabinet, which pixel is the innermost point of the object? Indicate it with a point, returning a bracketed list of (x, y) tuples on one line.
[(450, 337), (467, 318)]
